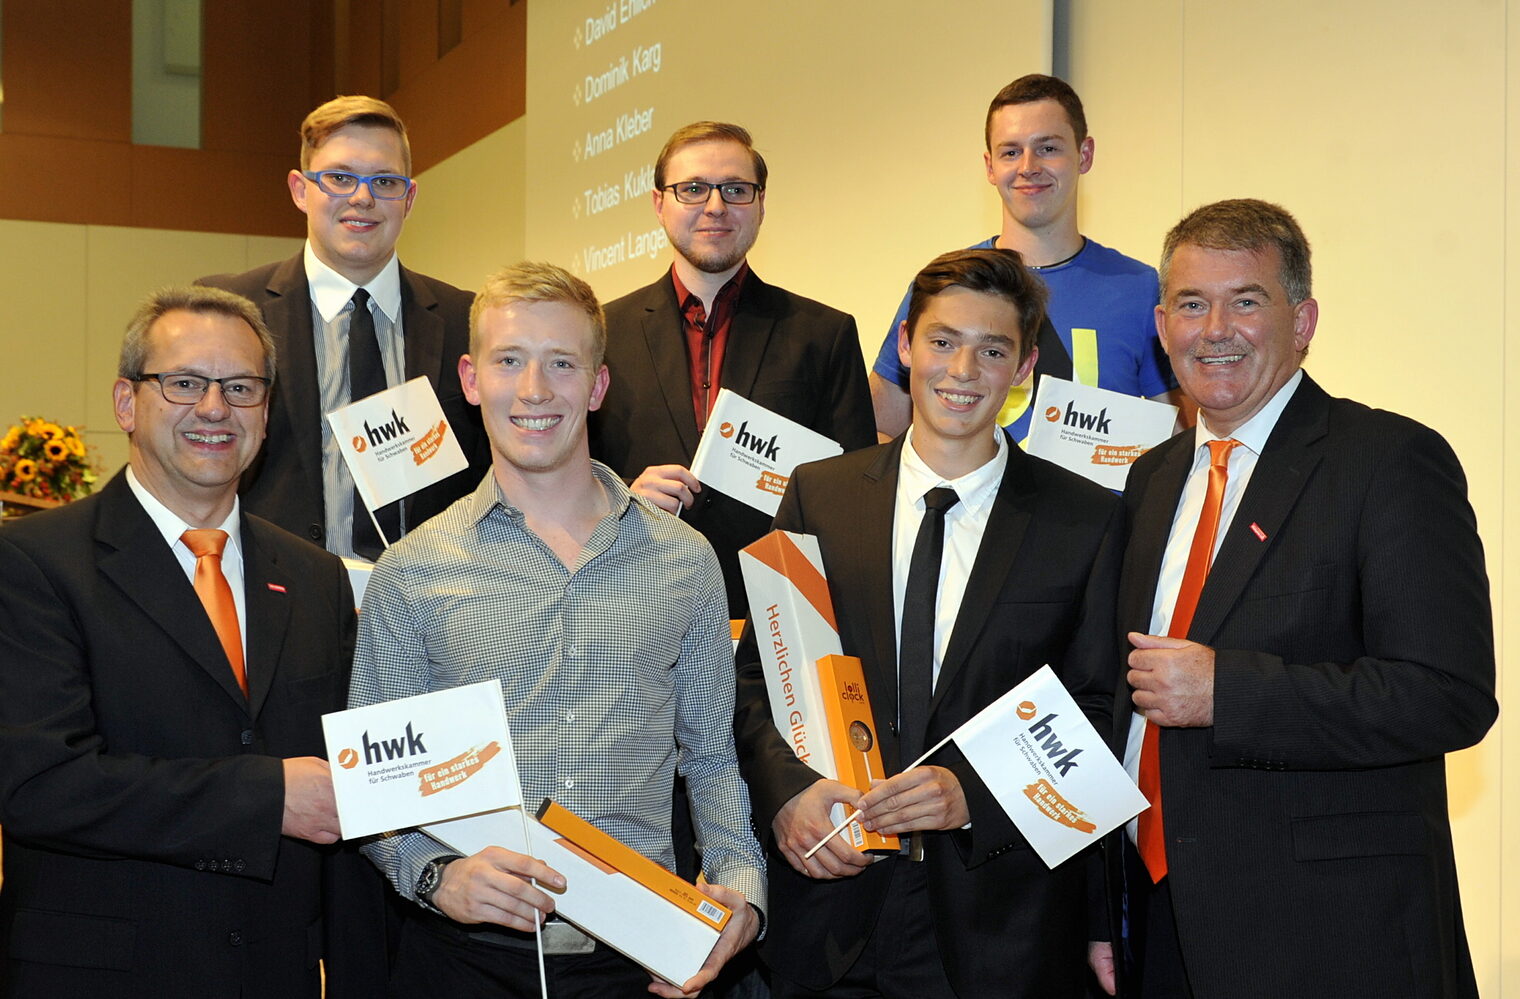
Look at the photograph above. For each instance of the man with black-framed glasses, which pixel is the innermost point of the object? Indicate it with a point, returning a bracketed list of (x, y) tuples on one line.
[(165, 660), (351, 321), (711, 323)]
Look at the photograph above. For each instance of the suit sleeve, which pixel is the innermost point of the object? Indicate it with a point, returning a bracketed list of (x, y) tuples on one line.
[(63, 788), (1421, 680), (774, 773), (852, 421)]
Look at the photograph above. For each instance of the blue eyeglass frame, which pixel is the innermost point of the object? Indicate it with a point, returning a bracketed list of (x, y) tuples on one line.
[(318, 176)]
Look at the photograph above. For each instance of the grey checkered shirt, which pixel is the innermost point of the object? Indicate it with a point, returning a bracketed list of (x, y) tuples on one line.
[(616, 673)]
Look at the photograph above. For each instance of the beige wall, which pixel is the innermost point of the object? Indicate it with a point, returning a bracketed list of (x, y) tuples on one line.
[(1390, 133), (68, 291)]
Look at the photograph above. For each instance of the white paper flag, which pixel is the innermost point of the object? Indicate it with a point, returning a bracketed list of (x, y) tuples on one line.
[(1048, 768), (1095, 432), (396, 442), (421, 759), (749, 452)]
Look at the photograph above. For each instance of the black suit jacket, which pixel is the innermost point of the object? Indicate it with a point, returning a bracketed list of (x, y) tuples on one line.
[(1041, 591), (1308, 845), (284, 484), (141, 795), (787, 353)]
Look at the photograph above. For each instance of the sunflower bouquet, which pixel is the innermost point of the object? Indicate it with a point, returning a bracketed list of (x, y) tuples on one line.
[(44, 461)]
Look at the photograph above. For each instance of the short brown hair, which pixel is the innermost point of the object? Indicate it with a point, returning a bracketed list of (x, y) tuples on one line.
[(533, 281), (991, 272), (708, 131), (1039, 87), (354, 109), (1246, 224), (189, 298)]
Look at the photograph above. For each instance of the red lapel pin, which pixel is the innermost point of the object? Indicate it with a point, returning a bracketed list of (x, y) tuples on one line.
[(276, 587), (1256, 530)]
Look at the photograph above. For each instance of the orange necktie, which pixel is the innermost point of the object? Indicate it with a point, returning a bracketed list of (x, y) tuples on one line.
[(1150, 836), (211, 586)]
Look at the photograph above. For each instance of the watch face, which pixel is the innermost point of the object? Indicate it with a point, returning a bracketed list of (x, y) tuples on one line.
[(427, 882)]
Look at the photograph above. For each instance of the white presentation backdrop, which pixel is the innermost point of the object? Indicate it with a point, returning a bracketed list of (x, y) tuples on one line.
[(869, 116)]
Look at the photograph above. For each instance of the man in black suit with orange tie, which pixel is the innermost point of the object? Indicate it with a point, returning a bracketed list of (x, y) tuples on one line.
[(958, 565), (1309, 619), (165, 659)]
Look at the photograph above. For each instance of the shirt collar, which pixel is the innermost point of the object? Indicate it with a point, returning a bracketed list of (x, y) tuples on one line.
[(169, 523), (1254, 432), (488, 495), (730, 287), (331, 290), (976, 489)]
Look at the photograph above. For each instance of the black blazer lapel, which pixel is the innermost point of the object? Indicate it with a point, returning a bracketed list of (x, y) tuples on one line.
[(138, 562), (297, 396), (422, 329), (1151, 527), (267, 593), (748, 337), (661, 328), (994, 561), (872, 550), (1286, 463)]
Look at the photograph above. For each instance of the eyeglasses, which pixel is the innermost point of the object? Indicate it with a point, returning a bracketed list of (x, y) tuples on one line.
[(696, 192), (187, 390), (382, 186)]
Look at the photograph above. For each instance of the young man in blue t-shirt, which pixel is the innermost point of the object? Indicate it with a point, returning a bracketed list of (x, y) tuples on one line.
[(1100, 328)]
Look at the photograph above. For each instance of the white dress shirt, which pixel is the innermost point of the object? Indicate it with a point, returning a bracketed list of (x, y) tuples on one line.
[(331, 293), (965, 523), (171, 527), (1252, 435)]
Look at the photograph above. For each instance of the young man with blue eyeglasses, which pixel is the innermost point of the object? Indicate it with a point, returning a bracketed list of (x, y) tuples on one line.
[(350, 321)]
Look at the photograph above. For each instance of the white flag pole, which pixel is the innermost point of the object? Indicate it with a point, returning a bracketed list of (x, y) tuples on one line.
[(856, 814)]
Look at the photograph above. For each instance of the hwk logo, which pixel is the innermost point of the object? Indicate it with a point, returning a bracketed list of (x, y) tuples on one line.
[(407, 744), (767, 449), (1087, 421), (387, 431), (1046, 736)]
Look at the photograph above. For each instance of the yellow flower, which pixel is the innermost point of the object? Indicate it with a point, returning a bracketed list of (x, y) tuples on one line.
[(76, 447), (53, 431), (12, 438), (55, 450), (26, 470)]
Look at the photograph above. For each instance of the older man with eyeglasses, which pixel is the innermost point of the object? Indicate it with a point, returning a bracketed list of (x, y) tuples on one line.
[(165, 659), (351, 321)]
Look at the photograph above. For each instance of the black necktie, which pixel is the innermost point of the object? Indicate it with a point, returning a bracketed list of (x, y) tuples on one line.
[(366, 376), (915, 663)]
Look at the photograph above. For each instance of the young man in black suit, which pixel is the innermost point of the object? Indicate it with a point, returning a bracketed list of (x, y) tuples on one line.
[(349, 321), (1026, 577), (711, 323)]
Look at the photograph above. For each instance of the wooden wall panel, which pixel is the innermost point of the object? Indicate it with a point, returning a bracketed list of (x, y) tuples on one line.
[(68, 69)]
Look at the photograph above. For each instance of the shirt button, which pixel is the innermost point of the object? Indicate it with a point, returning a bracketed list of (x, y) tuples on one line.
[(569, 716), (246, 737), (569, 782), (573, 650), (235, 938)]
